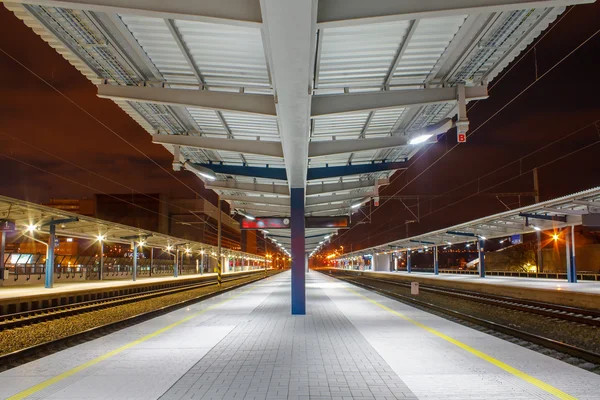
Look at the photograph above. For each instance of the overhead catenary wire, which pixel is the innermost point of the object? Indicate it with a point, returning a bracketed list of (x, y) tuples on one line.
[(87, 187), (474, 131), (129, 188), (89, 114), (522, 173)]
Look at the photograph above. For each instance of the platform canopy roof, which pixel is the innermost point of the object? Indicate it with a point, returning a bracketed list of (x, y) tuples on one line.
[(266, 95), (26, 215), (548, 215)]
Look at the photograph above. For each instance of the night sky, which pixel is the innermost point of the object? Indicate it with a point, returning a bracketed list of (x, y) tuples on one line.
[(37, 125)]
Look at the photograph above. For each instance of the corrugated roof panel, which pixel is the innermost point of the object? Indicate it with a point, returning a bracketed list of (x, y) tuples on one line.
[(226, 54), (506, 33), (344, 126), (248, 125), (208, 122), (156, 40), (383, 121), (355, 55), (429, 41)]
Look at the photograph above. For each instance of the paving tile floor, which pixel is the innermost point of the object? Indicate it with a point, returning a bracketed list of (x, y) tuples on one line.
[(273, 355)]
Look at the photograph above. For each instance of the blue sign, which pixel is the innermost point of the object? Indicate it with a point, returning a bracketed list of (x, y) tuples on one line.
[(516, 239)]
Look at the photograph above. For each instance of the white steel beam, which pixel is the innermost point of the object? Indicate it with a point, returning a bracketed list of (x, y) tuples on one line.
[(222, 101), (315, 200), (276, 201), (233, 186), (274, 210), (334, 13), (326, 207), (327, 188), (322, 149), (289, 30), (324, 105), (231, 12), (261, 148)]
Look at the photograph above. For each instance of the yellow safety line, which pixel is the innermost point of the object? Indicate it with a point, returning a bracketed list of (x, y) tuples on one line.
[(518, 373), (66, 374)]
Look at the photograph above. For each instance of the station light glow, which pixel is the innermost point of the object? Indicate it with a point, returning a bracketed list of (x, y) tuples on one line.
[(419, 139)]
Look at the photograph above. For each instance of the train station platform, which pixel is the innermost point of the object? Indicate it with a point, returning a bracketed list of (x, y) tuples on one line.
[(585, 294), (25, 298), (244, 344)]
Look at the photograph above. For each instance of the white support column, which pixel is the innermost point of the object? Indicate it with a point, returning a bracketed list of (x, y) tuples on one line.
[(289, 34)]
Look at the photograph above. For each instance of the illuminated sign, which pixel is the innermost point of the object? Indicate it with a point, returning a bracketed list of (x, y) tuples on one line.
[(284, 223), (7, 225), (327, 222), (267, 222)]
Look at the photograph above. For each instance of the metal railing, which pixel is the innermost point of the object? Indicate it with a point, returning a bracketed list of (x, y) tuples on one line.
[(584, 276)]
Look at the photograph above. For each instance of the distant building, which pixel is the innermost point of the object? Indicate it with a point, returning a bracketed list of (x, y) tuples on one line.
[(79, 206), (189, 219)]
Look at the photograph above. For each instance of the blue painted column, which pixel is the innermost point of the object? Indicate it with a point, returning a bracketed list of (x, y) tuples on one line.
[(176, 267), (134, 272), (480, 244), (101, 267), (50, 257), (408, 263), (436, 265), (571, 272), (573, 265), (298, 249), (2, 247)]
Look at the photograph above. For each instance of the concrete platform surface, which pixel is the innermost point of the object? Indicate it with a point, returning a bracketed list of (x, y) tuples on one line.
[(244, 344), (591, 287), (59, 287), (585, 294)]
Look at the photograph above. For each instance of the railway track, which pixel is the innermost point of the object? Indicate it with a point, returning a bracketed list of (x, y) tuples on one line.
[(11, 321), (24, 355), (572, 315)]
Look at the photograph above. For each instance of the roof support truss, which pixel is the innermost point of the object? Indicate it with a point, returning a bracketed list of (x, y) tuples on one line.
[(271, 149), (323, 105), (315, 200), (261, 188), (222, 101), (328, 188), (276, 201)]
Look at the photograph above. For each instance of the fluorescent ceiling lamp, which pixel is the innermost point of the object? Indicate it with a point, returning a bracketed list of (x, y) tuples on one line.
[(419, 139), (202, 171), (424, 134), (246, 215), (537, 228)]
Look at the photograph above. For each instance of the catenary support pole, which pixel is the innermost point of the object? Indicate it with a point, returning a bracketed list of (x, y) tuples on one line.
[(219, 259), (151, 260), (2, 248), (436, 263), (571, 277), (101, 270), (135, 256), (176, 268), (408, 263), (298, 249), (50, 257), (573, 265), (480, 249)]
